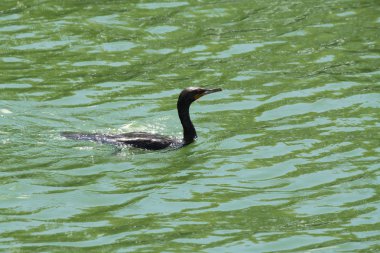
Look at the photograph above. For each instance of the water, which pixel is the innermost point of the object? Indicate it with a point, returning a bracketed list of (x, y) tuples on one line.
[(287, 158)]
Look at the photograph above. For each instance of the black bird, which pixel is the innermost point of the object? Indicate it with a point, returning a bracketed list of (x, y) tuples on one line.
[(154, 141)]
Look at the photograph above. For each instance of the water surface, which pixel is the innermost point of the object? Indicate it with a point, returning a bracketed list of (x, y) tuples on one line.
[(287, 158)]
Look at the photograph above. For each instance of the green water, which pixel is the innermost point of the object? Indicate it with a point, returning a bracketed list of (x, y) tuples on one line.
[(287, 158)]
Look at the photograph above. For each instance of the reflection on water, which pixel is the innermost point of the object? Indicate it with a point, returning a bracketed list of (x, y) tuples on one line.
[(287, 155)]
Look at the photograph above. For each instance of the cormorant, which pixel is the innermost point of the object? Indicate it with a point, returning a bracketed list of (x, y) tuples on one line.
[(154, 141)]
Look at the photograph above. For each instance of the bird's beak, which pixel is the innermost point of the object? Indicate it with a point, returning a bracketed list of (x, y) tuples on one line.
[(209, 91)]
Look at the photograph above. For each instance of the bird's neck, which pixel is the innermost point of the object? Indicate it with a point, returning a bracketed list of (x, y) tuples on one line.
[(189, 133)]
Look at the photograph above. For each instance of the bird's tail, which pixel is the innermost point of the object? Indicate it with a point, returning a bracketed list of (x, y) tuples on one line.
[(102, 138)]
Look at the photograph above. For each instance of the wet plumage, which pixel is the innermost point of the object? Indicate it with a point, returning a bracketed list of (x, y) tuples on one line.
[(153, 141)]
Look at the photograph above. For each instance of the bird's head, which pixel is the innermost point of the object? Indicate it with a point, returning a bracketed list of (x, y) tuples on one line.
[(191, 94)]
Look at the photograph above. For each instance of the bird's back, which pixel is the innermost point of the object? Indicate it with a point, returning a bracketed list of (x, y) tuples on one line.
[(134, 139)]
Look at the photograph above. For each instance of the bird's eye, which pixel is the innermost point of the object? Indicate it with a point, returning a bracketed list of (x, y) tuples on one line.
[(198, 95)]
